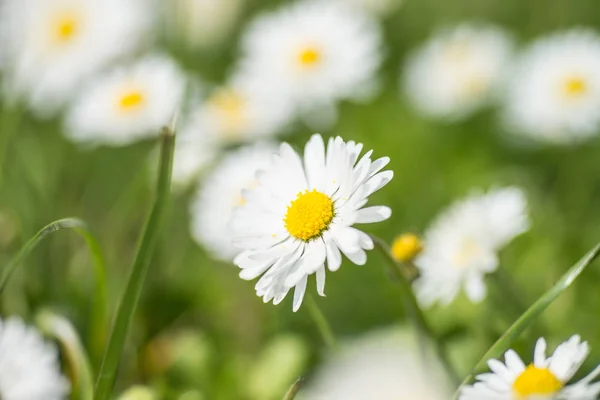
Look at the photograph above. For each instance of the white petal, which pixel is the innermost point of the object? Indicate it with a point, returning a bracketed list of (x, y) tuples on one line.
[(373, 214), (321, 281), (299, 293)]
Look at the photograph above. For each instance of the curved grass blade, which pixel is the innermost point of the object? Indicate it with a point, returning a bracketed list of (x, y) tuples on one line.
[(131, 296), (532, 313), (79, 368), (99, 312), (294, 389)]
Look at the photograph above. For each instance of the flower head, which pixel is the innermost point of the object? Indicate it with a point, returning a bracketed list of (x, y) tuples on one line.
[(128, 104), (221, 192), (406, 247), (301, 213), (29, 366), (50, 46), (461, 245), (554, 92), (546, 378), (457, 72)]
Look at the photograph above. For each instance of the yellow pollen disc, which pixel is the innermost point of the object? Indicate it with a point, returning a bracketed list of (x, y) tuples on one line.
[(66, 28), (536, 381), (309, 215), (131, 100), (467, 251), (309, 57), (230, 107), (406, 247), (575, 86)]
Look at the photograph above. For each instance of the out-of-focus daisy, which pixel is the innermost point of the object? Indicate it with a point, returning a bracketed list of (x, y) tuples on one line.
[(243, 110), (49, 46), (457, 72), (545, 379), (461, 245), (29, 366), (380, 366), (554, 93), (221, 192), (314, 52), (128, 104), (301, 214), (201, 23)]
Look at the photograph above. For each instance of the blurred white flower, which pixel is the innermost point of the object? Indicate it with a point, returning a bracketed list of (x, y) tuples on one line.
[(194, 151), (457, 72), (545, 379), (50, 46), (461, 245), (129, 103), (314, 52), (380, 366), (300, 215), (554, 93), (29, 366), (221, 192), (201, 23)]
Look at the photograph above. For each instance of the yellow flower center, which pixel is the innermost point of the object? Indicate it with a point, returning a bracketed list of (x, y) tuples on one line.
[(575, 86), (309, 56), (131, 100), (406, 247), (229, 107), (536, 381), (467, 251), (309, 215), (65, 28)]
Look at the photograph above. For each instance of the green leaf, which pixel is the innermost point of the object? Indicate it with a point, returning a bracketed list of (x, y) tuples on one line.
[(131, 296), (531, 315)]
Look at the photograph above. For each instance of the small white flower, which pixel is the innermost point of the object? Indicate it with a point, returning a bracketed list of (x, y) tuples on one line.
[(29, 366), (545, 379), (128, 104), (313, 52), (50, 46), (461, 245), (554, 93), (300, 215), (457, 72), (221, 192), (380, 366)]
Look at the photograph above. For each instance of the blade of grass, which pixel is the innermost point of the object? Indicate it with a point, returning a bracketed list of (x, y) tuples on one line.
[(294, 389), (532, 313), (79, 369), (98, 315), (130, 298), (321, 322)]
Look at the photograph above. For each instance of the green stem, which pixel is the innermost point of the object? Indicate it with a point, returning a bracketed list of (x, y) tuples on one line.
[(294, 389), (413, 310), (321, 322), (11, 118), (131, 296)]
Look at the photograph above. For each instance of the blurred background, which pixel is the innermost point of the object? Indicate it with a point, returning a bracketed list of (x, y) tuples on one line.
[(200, 330)]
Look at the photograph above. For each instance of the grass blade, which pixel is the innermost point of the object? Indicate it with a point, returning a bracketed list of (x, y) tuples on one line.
[(129, 301), (532, 313), (294, 389)]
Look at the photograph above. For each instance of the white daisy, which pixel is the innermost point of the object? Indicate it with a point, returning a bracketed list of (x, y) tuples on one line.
[(457, 72), (242, 110), (29, 366), (461, 245), (545, 379), (194, 151), (300, 215), (50, 46), (221, 192), (128, 104), (380, 366), (554, 93), (314, 52)]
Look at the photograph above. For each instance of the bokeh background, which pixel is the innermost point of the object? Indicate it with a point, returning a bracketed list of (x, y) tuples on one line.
[(200, 329)]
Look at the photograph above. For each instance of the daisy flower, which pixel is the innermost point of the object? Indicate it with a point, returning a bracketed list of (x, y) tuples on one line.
[(379, 366), (545, 379), (50, 46), (457, 72), (314, 52), (221, 192), (554, 92), (462, 244), (301, 213), (128, 104), (29, 366)]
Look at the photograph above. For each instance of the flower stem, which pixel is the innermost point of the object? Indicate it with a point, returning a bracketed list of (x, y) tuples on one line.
[(321, 322), (294, 389), (129, 301), (413, 310)]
